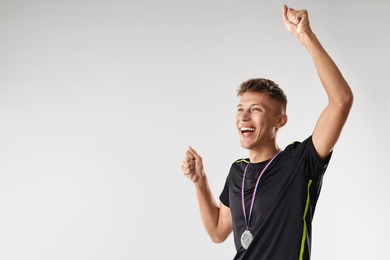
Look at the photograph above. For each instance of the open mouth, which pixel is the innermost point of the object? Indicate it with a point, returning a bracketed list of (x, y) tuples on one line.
[(247, 130)]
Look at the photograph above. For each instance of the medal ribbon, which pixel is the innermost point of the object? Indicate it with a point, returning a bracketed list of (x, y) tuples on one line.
[(247, 220)]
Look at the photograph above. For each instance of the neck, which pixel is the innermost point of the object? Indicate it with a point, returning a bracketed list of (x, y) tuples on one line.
[(263, 154)]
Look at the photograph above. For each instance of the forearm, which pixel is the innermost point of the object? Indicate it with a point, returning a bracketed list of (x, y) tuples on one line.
[(216, 219), (340, 97), (209, 209), (335, 85)]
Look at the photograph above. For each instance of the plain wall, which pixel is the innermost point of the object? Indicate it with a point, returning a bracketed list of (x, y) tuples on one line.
[(100, 99)]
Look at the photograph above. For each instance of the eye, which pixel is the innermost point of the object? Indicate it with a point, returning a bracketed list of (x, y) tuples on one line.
[(240, 109), (256, 109)]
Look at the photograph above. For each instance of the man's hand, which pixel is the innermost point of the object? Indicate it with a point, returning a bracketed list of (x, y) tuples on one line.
[(296, 21), (192, 166)]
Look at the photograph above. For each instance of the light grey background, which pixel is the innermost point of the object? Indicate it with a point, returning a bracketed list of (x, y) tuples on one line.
[(100, 99)]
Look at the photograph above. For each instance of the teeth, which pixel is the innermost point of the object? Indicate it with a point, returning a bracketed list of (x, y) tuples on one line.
[(247, 129)]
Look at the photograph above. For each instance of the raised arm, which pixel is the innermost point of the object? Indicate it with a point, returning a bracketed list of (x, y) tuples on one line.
[(217, 219), (340, 97)]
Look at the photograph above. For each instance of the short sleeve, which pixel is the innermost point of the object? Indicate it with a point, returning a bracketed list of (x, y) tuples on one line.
[(224, 197), (305, 157)]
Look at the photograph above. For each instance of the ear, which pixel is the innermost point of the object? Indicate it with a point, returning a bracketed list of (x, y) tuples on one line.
[(282, 120)]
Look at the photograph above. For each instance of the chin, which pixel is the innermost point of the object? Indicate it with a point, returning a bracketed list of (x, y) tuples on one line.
[(246, 146)]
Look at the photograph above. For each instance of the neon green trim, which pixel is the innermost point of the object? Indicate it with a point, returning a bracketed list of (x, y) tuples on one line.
[(242, 160), (304, 233)]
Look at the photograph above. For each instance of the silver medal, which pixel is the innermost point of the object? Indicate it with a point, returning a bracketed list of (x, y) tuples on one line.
[(246, 239)]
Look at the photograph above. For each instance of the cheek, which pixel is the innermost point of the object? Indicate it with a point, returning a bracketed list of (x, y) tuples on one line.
[(264, 122), (259, 120), (238, 119)]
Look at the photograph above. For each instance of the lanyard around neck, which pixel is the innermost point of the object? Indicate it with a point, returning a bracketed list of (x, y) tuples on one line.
[(247, 220)]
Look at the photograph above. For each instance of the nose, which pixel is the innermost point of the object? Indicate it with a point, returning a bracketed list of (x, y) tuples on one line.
[(244, 116)]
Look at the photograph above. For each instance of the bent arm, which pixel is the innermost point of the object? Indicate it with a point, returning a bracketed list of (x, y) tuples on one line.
[(216, 219), (340, 97)]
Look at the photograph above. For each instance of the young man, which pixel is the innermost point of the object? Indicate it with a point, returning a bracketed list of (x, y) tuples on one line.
[(269, 199)]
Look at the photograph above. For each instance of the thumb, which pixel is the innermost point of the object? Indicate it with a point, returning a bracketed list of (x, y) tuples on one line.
[(284, 13), (194, 153)]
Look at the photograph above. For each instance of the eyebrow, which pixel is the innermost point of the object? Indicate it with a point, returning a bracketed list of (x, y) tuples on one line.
[(251, 105)]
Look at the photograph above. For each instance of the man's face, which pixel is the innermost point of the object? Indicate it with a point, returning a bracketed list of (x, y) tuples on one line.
[(257, 120)]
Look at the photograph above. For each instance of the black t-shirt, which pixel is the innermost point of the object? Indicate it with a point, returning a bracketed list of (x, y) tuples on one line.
[(284, 205)]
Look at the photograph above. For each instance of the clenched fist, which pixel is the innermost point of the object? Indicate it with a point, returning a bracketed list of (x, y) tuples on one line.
[(296, 21), (192, 166)]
